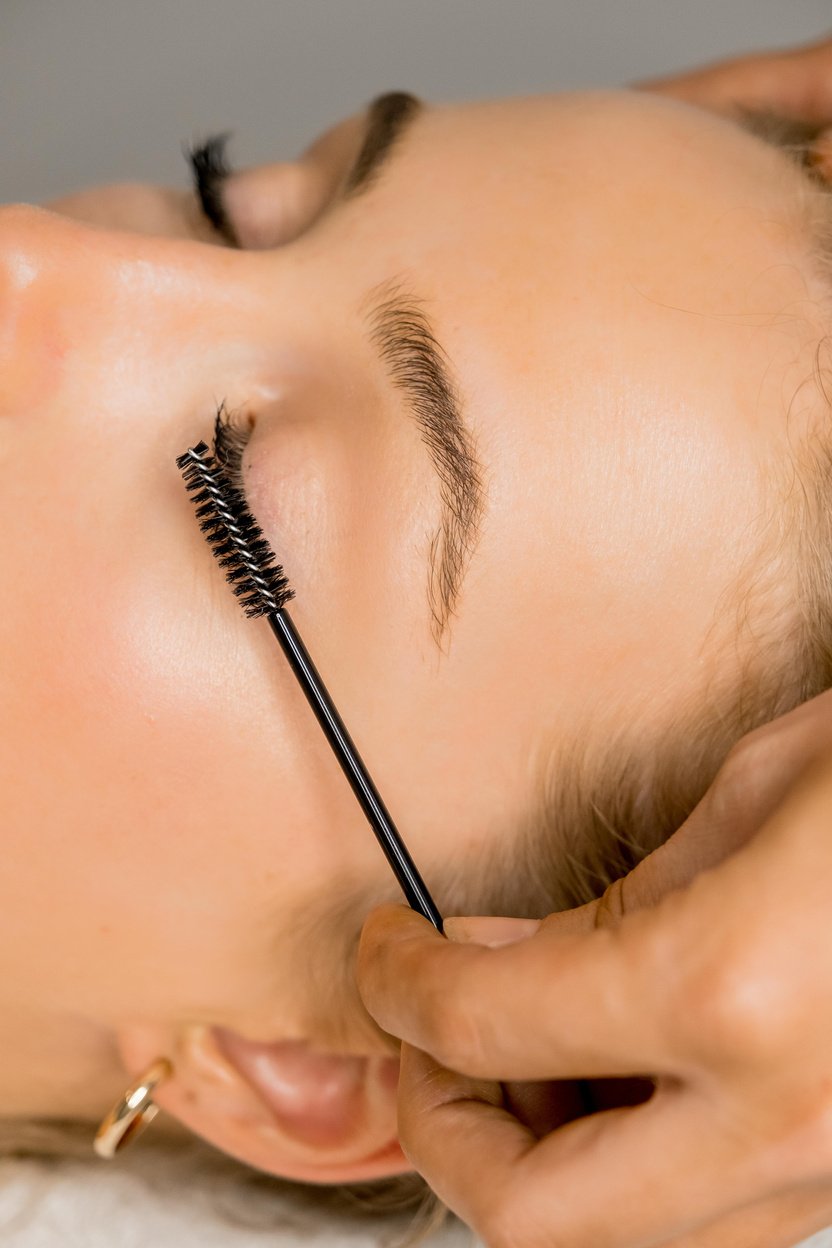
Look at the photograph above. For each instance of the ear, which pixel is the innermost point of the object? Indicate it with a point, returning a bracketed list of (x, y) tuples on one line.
[(283, 1106)]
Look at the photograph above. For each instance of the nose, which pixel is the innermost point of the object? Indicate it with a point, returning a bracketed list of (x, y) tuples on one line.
[(90, 315), (24, 354)]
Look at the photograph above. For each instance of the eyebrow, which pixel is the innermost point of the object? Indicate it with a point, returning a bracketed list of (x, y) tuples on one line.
[(419, 368), (388, 117)]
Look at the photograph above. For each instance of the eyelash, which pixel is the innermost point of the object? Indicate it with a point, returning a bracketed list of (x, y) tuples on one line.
[(232, 432), (210, 171)]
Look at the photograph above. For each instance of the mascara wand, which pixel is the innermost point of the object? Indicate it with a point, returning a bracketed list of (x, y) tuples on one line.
[(262, 589)]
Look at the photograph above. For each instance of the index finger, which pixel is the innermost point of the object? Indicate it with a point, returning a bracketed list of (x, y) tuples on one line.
[(794, 82), (549, 1007)]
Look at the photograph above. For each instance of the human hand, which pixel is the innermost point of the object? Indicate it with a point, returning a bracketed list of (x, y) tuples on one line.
[(719, 990), (796, 83)]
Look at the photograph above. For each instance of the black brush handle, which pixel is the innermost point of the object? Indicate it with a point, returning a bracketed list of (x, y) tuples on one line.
[(362, 786)]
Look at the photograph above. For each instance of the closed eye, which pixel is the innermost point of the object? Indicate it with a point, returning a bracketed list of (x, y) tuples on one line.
[(385, 121)]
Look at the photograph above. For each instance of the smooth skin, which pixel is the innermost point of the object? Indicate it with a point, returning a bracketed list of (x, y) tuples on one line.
[(708, 969)]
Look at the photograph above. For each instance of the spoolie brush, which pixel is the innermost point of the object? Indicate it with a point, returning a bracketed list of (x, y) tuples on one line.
[(260, 585)]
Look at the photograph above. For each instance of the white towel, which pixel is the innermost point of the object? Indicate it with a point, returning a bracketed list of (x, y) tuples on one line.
[(161, 1200), (186, 1199)]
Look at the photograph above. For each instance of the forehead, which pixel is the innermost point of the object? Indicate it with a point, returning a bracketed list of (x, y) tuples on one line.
[(572, 234), (501, 209), (596, 266), (602, 131)]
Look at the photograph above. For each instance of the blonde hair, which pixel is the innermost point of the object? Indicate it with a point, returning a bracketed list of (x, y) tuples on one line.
[(409, 1210)]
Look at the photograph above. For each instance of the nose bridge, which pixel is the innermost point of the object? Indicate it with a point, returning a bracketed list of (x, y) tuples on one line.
[(47, 258), (79, 301), (28, 345), (44, 256), (102, 326)]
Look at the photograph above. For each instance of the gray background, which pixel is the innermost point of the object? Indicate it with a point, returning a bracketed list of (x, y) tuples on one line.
[(100, 90)]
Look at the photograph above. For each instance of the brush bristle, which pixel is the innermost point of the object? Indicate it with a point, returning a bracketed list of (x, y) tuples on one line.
[(238, 544)]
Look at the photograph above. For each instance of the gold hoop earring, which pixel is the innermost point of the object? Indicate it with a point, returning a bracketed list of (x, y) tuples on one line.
[(132, 1112)]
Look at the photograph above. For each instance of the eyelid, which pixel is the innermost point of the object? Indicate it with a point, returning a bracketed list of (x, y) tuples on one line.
[(270, 205), (267, 206)]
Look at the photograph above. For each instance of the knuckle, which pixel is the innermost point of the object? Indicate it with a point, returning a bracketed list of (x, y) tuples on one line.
[(377, 961), (452, 1016), (735, 1014), (612, 904), (747, 766), (439, 1018)]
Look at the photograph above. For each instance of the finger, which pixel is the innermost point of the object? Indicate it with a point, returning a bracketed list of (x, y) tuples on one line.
[(429, 1096), (548, 1007), (614, 1180), (778, 1222), (797, 83), (751, 785)]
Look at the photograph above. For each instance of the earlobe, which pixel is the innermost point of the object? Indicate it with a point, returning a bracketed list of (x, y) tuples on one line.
[(283, 1107)]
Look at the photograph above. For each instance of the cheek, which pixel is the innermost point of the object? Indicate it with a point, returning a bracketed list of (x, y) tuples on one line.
[(160, 818)]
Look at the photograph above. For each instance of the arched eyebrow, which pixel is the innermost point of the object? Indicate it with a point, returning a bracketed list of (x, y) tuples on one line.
[(388, 117), (418, 367)]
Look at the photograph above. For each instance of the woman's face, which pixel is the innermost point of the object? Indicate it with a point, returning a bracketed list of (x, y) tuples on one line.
[(600, 279)]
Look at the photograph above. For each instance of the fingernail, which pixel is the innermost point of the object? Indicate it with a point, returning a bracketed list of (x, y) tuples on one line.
[(489, 930)]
